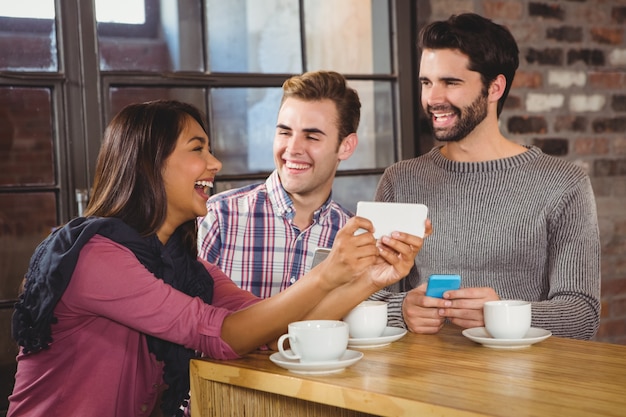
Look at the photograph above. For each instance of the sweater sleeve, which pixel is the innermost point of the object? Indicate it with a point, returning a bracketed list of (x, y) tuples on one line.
[(572, 306)]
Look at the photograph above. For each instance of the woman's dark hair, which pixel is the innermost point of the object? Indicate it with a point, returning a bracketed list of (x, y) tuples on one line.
[(491, 48), (128, 182)]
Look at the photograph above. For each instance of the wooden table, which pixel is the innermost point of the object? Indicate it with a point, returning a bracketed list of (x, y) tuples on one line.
[(425, 375)]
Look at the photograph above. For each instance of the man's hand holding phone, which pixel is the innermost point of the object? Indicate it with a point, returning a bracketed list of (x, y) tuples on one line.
[(440, 283), (421, 305), (463, 307)]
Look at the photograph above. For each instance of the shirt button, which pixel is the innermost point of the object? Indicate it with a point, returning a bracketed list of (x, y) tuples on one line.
[(292, 280), (144, 408)]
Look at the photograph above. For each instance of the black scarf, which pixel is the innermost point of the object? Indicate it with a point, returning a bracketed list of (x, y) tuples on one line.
[(51, 268)]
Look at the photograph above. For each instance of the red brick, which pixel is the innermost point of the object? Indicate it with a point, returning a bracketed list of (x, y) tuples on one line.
[(610, 80), (613, 124), (527, 124), (527, 33), (547, 11), (619, 146), (607, 35), (502, 10), (614, 287), (618, 102), (547, 56), (527, 79), (552, 146), (617, 308), (513, 102), (570, 123), (618, 14), (565, 34), (588, 56), (620, 227), (591, 146), (585, 13), (612, 331)]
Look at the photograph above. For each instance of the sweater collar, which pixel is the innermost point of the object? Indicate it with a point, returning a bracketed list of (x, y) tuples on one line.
[(502, 164)]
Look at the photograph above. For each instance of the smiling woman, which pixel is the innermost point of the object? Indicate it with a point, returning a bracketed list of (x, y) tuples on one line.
[(124, 284), (188, 174)]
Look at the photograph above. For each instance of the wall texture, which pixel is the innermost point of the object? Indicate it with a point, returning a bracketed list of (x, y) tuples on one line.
[(569, 98)]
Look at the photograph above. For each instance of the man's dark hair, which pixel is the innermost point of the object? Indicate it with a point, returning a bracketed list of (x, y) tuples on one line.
[(490, 47)]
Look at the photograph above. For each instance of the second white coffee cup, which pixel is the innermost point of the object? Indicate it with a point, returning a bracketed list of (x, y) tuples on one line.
[(315, 340), (368, 319), (507, 319)]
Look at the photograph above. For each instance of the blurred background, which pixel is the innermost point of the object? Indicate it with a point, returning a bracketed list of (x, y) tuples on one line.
[(66, 67)]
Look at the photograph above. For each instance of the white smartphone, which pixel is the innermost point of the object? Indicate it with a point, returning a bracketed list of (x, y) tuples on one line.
[(319, 255), (388, 217)]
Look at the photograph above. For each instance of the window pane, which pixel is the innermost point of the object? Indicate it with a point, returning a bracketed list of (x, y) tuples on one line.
[(169, 40), (349, 190), (244, 121), (376, 148), (122, 96), (348, 36), (39, 9), (243, 126), (253, 36), (28, 36), (121, 11), (26, 219), (26, 142)]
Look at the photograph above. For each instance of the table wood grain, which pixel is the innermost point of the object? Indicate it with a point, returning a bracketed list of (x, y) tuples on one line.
[(430, 375)]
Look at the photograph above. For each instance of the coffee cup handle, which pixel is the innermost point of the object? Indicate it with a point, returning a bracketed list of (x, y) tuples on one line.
[(286, 353)]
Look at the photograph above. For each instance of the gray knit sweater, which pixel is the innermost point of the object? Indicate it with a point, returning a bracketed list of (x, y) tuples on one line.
[(525, 226)]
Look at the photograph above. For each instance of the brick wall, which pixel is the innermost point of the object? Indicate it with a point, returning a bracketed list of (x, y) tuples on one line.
[(569, 98)]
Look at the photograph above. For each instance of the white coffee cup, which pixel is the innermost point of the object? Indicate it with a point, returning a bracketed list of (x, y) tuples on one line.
[(368, 319), (507, 319), (315, 340)]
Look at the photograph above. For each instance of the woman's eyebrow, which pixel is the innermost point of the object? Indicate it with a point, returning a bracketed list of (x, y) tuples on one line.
[(198, 138)]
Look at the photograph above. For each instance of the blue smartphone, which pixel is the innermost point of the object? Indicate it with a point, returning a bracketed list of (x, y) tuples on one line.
[(440, 283)]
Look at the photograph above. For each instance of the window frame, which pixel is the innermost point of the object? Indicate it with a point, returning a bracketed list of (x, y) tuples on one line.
[(25, 25)]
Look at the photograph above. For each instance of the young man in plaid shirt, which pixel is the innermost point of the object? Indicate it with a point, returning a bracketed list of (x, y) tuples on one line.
[(264, 235)]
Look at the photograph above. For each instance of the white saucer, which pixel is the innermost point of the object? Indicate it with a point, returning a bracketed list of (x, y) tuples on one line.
[(391, 334), (480, 335), (349, 357)]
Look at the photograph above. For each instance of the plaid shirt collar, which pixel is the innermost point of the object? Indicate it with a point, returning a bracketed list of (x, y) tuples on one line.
[(283, 205)]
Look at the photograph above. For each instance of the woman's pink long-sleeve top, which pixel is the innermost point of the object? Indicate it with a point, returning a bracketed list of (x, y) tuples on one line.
[(98, 363)]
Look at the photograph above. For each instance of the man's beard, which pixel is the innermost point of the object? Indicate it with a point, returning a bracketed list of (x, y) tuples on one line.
[(467, 119)]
